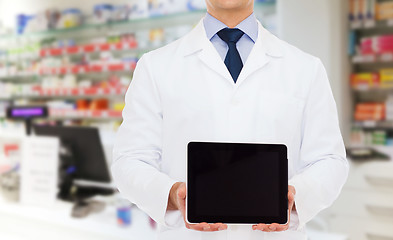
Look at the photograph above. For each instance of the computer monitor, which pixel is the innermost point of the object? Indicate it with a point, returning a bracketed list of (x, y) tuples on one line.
[(87, 150)]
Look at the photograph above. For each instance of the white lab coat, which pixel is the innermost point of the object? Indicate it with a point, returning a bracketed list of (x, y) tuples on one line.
[(183, 92)]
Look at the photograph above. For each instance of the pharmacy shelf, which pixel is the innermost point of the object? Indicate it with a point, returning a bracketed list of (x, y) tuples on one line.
[(371, 25), (371, 124), (23, 51), (101, 115), (69, 93), (78, 69), (94, 115), (21, 76), (373, 58), (94, 68), (151, 22), (175, 19), (367, 89), (77, 51), (88, 48), (5, 97)]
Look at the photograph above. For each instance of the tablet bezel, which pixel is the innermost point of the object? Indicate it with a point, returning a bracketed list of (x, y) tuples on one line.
[(193, 218)]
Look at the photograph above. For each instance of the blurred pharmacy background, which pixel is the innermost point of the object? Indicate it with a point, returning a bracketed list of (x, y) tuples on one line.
[(66, 64)]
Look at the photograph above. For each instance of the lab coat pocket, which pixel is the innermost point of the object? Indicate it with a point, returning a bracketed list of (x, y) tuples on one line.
[(284, 116)]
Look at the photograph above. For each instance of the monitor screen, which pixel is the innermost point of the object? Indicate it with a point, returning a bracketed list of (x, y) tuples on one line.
[(90, 162)]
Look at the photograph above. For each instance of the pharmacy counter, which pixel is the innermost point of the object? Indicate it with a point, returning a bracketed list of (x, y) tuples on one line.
[(364, 209), (22, 222)]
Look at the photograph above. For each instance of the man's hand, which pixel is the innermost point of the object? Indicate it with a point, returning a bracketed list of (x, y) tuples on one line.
[(275, 227), (177, 201)]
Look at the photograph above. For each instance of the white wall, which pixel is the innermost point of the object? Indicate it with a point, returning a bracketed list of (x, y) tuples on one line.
[(318, 27), (306, 24)]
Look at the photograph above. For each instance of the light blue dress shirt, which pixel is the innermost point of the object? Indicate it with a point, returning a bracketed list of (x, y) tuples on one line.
[(245, 44)]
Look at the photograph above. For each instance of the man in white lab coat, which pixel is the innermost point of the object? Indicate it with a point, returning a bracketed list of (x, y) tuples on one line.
[(228, 80)]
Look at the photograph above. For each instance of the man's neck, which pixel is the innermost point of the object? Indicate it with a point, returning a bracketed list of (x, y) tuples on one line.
[(231, 18)]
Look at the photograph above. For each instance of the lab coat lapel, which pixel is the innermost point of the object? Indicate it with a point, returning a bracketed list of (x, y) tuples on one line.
[(264, 49), (198, 43), (210, 57)]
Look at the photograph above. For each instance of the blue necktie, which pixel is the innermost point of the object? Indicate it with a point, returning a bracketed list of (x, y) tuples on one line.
[(232, 60)]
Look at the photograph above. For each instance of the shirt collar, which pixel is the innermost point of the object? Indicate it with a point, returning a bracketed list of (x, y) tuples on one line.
[(249, 26)]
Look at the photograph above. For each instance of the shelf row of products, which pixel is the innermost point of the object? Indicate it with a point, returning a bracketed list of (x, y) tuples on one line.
[(373, 58), (70, 114), (370, 111), (88, 48), (375, 111), (372, 80), (73, 18), (106, 62), (82, 114), (57, 48), (65, 86), (79, 108), (102, 13), (361, 137), (128, 65), (78, 104), (365, 13), (376, 45), (53, 46), (371, 46), (68, 93)]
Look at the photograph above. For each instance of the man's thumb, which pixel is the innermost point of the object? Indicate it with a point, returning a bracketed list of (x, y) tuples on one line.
[(181, 192)]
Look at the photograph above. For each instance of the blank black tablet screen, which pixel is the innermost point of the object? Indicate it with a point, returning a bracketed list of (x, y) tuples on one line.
[(237, 183)]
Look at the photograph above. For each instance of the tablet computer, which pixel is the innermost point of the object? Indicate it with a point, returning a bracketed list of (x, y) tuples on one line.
[(237, 183)]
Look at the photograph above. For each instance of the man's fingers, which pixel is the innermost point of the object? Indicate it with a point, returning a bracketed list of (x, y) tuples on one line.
[(278, 228), (208, 227), (187, 225), (291, 201), (291, 196), (181, 197), (275, 227), (205, 227), (261, 227), (218, 227), (182, 191), (214, 227), (222, 227), (200, 227), (182, 207), (292, 189)]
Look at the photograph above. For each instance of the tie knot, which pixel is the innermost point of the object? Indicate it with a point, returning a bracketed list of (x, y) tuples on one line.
[(230, 35)]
